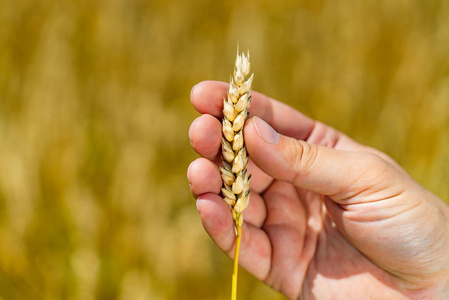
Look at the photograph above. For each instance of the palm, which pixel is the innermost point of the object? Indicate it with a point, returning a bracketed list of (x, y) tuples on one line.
[(309, 255)]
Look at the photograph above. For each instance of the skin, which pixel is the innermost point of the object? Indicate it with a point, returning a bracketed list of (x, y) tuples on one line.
[(328, 218)]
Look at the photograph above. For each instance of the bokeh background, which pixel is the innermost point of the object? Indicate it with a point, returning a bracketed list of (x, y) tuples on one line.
[(95, 110)]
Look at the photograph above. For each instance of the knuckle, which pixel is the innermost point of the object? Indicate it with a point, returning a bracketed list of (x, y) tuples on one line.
[(372, 165), (302, 156)]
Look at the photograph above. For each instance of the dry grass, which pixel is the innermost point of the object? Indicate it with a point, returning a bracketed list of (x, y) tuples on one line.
[(94, 113)]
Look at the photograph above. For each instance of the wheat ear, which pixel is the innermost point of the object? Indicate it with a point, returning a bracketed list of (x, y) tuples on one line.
[(236, 180)]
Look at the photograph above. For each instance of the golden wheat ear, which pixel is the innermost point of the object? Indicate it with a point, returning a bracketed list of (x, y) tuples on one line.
[(236, 180)]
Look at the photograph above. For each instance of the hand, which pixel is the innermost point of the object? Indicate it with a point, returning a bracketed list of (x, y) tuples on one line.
[(328, 218)]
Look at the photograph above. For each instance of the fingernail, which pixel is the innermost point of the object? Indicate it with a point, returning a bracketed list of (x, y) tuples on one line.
[(265, 131), (188, 173), (192, 91), (192, 126), (197, 202)]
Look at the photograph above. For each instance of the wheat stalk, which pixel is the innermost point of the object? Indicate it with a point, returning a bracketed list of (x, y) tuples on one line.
[(236, 180)]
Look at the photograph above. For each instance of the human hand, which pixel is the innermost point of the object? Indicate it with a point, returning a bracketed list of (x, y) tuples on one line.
[(328, 217)]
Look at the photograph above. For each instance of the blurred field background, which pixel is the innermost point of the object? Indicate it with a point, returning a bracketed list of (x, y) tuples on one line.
[(95, 110)]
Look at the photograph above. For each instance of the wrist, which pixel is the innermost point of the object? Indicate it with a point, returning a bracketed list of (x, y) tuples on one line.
[(442, 282), (433, 280)]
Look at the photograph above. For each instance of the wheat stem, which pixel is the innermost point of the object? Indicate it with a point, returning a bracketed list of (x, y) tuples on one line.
[(236, 263)]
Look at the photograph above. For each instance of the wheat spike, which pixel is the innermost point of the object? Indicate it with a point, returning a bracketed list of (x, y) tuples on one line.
[(236, 180)]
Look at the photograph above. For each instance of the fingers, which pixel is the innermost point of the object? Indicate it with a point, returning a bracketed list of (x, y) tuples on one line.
[(255, 250), (205, 131), (338, 174), (205, 136), (204, 178), (256, 212), (286, 225), (207, 98), (260, 181)]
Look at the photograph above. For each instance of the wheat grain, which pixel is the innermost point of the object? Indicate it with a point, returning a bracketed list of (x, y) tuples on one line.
[(236, 180)]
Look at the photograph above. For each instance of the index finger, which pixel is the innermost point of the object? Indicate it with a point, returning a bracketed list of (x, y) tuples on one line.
[(207, 98)]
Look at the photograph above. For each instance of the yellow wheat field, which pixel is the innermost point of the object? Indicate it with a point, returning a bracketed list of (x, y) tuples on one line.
[(94, 114)]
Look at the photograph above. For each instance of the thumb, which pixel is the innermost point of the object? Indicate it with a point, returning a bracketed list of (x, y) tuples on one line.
[(337, 174)]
